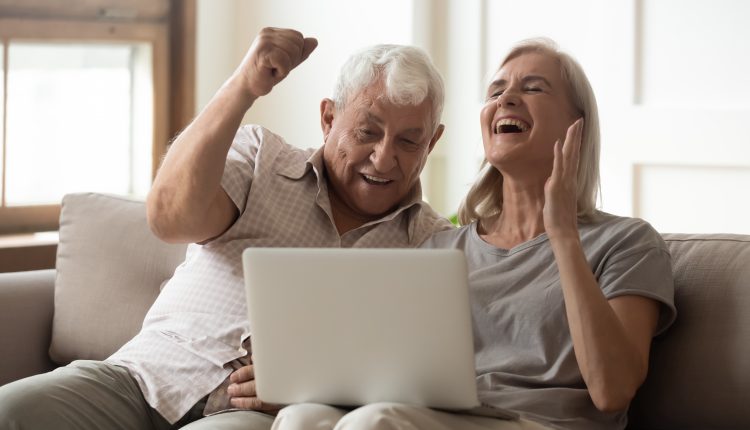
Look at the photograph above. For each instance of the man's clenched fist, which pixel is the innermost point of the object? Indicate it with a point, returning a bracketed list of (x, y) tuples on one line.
[(273, 54)]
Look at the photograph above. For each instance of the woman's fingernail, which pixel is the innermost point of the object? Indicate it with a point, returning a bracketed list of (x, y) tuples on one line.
[(232, 389)]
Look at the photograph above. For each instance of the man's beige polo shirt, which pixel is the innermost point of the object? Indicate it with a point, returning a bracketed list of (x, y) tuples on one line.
[(198, 322)]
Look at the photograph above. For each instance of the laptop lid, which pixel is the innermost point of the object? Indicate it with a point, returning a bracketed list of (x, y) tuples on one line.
[(356, 326)]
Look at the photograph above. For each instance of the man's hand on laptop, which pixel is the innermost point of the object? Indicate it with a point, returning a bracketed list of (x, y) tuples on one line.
[(243, 392)]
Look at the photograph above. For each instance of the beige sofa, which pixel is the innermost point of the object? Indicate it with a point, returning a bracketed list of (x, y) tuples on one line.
[(110, 269)]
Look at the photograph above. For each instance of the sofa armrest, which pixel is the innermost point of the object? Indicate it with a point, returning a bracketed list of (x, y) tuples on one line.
[(26, 308)]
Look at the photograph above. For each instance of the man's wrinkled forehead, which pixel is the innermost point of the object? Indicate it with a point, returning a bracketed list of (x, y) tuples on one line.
[(384, 114), (414, 128)]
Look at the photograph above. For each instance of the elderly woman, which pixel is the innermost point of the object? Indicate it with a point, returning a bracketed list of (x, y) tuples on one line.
[(565, 298)]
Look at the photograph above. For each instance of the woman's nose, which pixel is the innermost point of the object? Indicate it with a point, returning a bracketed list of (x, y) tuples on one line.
[(509, 97)]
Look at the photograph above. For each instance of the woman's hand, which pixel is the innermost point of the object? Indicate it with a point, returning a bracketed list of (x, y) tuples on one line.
[(243, 393), (560, 192)]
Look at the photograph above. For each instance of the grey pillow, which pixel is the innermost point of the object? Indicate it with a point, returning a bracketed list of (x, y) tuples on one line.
[(109, 271), (699, 375)]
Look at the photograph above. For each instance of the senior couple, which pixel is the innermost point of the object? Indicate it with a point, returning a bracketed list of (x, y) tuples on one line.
[(565, 298)]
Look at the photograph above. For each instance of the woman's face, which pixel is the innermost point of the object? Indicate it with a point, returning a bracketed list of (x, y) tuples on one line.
[(527, 109)]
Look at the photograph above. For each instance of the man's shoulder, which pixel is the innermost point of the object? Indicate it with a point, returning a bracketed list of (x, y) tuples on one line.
[(449, 238), (261, 136), (273, 146), (429, 222)]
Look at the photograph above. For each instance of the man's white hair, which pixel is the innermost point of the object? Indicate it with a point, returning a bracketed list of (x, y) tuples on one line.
[(407, 72)]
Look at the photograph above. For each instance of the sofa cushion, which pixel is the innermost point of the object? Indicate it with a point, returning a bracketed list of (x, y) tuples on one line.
[(699, 376), (109, 271)]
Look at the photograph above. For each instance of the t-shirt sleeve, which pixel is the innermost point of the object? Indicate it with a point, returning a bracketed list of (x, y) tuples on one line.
[(643, 267), (239, 168)]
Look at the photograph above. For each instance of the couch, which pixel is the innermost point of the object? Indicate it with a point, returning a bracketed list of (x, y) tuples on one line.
[(110, 268)]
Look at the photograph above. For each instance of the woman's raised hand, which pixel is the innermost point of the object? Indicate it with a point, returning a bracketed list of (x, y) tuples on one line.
[(560, 190)]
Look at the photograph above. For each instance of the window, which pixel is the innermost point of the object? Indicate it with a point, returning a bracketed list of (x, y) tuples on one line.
[(77, 112), (84, 100)]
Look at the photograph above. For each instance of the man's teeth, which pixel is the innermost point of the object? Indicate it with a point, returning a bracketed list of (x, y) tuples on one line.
[(522, 126), (376, 179)]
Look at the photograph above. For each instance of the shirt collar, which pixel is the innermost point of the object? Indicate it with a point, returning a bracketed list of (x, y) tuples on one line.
[(296, 170)]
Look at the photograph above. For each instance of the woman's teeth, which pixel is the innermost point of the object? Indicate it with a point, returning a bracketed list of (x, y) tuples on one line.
[(509, 125)]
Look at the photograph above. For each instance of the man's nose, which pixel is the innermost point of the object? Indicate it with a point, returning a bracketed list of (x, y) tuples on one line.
[(383, 156)]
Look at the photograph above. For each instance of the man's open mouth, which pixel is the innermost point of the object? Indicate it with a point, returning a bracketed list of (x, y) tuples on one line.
[(511, 125), (374, 180)]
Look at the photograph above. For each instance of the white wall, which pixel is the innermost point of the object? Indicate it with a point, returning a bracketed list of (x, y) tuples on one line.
[(668, 75), (341, 26), (216, 47)]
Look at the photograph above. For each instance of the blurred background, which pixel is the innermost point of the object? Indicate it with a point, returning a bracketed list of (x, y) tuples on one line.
[(93, 90)]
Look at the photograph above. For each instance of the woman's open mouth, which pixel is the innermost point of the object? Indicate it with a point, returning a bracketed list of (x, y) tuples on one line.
[(511, 125)]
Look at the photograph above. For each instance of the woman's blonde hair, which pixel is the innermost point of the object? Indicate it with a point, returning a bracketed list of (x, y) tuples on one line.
[(485, 198)]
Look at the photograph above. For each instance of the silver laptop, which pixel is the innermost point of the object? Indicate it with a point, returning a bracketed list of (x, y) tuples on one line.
[(355, 326)]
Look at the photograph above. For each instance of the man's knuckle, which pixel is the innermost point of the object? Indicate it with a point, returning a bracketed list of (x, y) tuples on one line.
[(240, 403)]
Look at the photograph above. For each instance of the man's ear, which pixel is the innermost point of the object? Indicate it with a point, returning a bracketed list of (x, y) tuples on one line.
[(436, 137), (327, 112)]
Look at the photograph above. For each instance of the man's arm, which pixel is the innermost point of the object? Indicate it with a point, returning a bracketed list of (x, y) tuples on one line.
[(186, 202)]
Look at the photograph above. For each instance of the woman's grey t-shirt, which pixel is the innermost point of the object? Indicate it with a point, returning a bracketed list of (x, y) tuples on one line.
[(523, 348)]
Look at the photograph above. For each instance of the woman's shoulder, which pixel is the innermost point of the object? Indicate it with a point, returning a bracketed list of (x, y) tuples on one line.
[(619, 229), (453, 238)]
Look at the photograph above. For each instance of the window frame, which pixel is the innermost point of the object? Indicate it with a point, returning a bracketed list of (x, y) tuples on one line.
[(170, 33)]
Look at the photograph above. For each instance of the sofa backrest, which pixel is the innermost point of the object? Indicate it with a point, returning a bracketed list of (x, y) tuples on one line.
[(110, 268), (699, 375)]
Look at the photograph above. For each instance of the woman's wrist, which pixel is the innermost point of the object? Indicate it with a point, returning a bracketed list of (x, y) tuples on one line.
[(564, 241)]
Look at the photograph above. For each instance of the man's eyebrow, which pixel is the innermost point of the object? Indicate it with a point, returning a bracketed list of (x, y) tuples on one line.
[(416, 130), (376, 119)]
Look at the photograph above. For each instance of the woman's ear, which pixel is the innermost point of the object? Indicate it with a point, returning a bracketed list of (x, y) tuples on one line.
[(327, 112)]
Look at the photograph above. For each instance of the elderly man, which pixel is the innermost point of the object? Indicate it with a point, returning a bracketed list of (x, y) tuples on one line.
[(227, 190)]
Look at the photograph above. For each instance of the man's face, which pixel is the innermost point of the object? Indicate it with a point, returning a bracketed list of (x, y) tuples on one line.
[(374, 152)]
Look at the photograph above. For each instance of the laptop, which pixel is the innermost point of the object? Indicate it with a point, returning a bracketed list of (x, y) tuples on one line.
[(349, 327)]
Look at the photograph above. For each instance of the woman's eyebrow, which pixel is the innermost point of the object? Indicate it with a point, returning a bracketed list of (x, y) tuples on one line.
[(535, 78), (497, 83)]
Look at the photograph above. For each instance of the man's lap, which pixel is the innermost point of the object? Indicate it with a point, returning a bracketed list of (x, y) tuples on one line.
[(98, 395), (82, 395)]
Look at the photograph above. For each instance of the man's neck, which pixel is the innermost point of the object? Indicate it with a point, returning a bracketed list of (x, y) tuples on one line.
[(344, 217)]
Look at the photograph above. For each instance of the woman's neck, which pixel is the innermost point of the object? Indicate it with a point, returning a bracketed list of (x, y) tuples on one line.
[(521, 218)]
